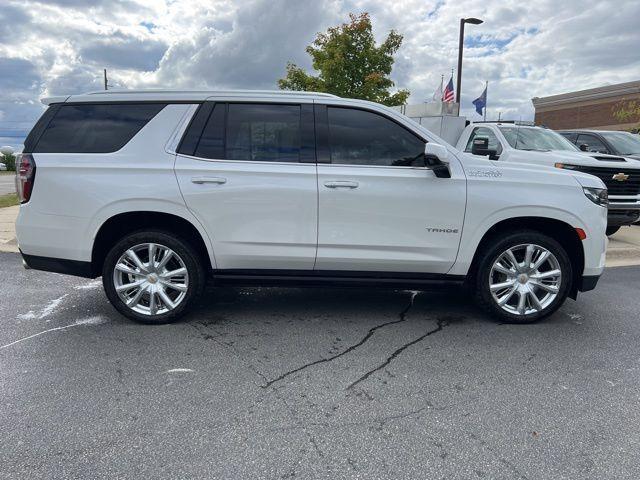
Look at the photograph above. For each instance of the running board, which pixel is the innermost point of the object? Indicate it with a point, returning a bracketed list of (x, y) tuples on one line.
[(301, 278)]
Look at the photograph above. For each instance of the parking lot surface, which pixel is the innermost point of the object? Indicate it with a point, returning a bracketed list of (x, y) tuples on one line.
[(7, 184), (316, 383)]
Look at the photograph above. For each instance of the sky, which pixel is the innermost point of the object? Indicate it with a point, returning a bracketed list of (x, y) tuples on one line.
[(524, 49)]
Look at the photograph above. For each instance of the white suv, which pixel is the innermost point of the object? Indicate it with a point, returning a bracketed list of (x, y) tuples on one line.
[(158, 191)]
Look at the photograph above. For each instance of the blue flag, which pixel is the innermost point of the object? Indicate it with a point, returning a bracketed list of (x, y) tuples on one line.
[(481, 102)]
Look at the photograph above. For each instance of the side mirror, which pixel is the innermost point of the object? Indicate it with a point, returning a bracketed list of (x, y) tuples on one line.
[(436, 150), (584, 147), (435, 156), (480, 146)]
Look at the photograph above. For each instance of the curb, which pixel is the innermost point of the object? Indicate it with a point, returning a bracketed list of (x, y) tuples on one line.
[(622, 257), (10, 246)]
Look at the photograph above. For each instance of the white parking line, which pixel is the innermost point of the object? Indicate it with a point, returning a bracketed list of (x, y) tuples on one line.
[(45, 312), (86, 321)]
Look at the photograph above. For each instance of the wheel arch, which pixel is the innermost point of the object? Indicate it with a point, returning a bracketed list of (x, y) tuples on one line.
[(560, 231), (116, 226)]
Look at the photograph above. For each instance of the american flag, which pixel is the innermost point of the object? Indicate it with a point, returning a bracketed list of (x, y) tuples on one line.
[(448, 95)]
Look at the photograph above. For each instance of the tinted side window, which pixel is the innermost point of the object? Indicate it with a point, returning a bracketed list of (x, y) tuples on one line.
[(87, 128), (191, 137), (595, 145), (569, 136), (211, 144), (494, 143), (269, 133), (358, 137), (36, 132)]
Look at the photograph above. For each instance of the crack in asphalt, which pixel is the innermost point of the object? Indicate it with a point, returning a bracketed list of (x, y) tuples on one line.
[(442, 322), (364, 339), (514, 469), (206, 331)]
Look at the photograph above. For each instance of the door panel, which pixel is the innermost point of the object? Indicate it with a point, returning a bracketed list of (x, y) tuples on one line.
[(382, 224), (377, 211), (258, 214), (243, 174)]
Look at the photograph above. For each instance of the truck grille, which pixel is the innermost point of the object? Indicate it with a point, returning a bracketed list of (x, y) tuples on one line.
[(631, 186)]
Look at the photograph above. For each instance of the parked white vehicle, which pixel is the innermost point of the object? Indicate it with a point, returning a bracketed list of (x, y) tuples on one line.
[(4, 152), (508, 142), (158, 191)]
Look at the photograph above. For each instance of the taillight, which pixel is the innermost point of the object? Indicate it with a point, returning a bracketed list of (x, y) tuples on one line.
[(25, 176)]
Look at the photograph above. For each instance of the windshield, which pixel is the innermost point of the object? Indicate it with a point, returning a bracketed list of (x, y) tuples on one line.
[(538, 139), (625, 143)]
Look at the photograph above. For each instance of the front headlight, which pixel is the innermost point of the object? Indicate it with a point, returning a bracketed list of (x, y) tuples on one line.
[(599, 196), (566, 166)]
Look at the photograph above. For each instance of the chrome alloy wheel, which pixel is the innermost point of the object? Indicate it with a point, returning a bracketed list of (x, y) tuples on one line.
[(151, 279), (525, 279)]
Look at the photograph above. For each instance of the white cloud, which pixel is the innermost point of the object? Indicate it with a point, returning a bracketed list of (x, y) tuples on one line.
[(528, 49)]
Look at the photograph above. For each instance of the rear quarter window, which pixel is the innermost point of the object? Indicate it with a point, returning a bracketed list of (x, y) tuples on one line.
[(92, 128)]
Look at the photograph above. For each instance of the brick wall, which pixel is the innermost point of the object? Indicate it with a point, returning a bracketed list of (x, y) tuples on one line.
[(581, 116)]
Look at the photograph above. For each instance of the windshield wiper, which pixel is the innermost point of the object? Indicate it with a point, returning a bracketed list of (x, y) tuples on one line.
[(533, 150)]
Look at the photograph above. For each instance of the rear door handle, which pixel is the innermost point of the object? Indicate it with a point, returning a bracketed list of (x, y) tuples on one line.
[(338, 184), (200, 180)]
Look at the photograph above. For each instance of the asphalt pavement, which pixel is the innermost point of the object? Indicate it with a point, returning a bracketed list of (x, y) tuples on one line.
[(316, 383), (7, 184)]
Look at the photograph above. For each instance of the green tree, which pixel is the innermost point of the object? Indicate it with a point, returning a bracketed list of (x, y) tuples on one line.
[(350, 64), (9, 161)]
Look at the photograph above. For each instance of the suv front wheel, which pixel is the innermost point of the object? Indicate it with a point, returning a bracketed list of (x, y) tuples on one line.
[(523, 277), (153, 276)]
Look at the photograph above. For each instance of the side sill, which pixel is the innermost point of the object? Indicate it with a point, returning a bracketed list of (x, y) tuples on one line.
[(296, 278), (76, 268)]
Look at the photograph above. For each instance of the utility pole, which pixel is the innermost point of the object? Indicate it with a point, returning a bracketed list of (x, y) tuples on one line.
[(105, 79)]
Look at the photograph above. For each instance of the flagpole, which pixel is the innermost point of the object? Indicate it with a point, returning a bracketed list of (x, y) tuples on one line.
[(441, 87), (454, 99), (486, 98)]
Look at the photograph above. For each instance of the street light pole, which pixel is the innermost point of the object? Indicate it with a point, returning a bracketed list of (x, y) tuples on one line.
[(460, 45), (473, 21)]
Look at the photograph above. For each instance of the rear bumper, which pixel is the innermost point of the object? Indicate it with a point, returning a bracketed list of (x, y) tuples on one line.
[(588, 282), (56, 236), (76, 268)]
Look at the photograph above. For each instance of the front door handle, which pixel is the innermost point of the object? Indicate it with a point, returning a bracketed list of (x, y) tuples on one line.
[(200, 180), (338, 184)]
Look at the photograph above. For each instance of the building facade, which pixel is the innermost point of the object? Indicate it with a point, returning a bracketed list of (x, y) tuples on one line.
[(593, 108)]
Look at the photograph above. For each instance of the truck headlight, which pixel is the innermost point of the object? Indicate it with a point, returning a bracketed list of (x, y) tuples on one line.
[(599, 196)]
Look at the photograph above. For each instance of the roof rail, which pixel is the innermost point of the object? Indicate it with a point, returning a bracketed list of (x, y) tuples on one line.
[(284, 93), (523, 123)]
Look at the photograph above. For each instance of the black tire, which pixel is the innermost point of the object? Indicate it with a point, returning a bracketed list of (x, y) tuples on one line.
[(193, 262), (495, 249), (612, 230)]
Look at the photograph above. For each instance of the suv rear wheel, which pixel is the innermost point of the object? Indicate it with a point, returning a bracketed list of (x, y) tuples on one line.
[(153, 276), (523, 277)]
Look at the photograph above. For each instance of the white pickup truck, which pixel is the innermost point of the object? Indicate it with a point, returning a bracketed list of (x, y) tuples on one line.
[(508, 142)]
